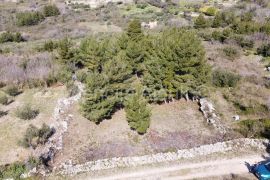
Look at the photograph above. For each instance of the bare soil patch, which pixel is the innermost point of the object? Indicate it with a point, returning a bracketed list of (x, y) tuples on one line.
[(173, 126)]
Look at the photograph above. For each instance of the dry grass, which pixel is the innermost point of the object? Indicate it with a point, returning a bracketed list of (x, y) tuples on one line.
[(13, 128)]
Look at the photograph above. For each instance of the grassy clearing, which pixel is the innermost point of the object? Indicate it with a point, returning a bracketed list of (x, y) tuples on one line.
[(135, 11), (12, 128)]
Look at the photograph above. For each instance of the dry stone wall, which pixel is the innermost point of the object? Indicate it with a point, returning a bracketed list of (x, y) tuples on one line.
[(221, 147)]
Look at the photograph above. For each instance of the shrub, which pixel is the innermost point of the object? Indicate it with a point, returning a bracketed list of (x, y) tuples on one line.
[(246, 27), (141, 5), (218, 36), (264, 50), (222, 78), (34, 136), (206, 36), (51, 10), (44, 133), (200, 22), (230, 52), (211, 11), (81, 75), (3, 98), (27, 112), (10, 37), (243, 42), (253, 108), (29, 18), (49, 46), (255, 128), (12, 90), (32, 162), (3, 113), (266, 28)]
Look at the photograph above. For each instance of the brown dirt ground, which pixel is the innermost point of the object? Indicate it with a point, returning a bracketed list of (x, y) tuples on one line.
[(170, 129)]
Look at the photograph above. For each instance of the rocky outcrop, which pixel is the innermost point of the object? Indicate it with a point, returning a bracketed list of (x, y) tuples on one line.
[(211, 116), (221, 147)]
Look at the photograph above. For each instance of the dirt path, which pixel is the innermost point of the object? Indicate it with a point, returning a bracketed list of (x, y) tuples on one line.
[(190, 171)]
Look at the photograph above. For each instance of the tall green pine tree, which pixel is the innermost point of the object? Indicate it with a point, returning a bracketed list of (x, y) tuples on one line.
[(137, 112)]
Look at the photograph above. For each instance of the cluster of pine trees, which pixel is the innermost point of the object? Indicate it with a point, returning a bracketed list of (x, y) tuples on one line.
[(135, 69)]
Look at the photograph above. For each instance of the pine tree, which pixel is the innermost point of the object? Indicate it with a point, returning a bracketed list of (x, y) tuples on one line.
[(92, 53), (65, 52), (119, 74), (134, 30), (98, 102), (177, 61), (137, 112), (200, 22), (135, 54)]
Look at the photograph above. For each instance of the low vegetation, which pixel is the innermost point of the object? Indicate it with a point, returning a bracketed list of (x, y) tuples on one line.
[(3, 98), (27, 112), (29, 18), (35, 136), (223, 78), (255, 128), (10, 37), (14, 171), (230, 52), (51, 10), (12, 90)]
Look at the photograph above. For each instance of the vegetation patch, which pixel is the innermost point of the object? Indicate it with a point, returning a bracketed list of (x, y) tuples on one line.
[(3, 98), (230, 52), (12, 90), (14, 171), (10, 37), (221, 78), (27, 112), (255, 128), (35, 136), (29, 18)]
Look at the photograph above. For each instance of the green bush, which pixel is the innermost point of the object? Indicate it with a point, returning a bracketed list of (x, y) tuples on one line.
[(12, 90), (14, 171), (201, 22), (266, 28), (211, 11), (246, 27), (49, 46), (29, 18), (3, 98), (10, 37), (27, 112), (222, 78), (255, 128), (34, 136), (251, 108), (230, 52), (141, 5), (82, 75), (51, 10), (264, 50), (243, 42)]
